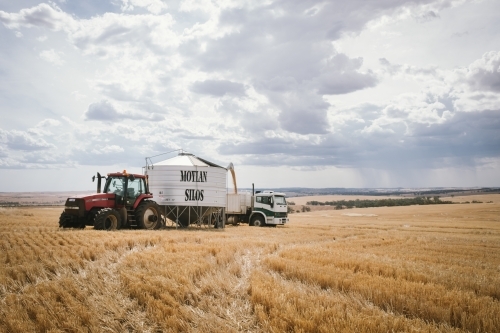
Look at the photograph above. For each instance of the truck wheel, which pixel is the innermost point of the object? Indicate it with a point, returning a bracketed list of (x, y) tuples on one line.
[(148, 215), (258, 221), (107, 219)]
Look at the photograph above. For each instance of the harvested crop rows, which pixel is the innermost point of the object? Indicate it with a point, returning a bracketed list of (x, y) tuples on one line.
[(412, 269)]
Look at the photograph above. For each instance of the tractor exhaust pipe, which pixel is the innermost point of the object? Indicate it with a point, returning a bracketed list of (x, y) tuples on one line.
[(98, 182)]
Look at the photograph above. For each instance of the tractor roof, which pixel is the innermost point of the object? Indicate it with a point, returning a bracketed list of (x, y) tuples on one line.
[(186, 159), (125, 174)]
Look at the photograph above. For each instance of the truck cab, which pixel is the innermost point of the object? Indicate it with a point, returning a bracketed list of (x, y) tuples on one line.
[(271, 207)]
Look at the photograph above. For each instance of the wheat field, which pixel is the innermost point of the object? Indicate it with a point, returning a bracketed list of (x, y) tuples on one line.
[(400, 269)]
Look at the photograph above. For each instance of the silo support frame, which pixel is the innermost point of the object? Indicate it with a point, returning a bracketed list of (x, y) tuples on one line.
[(202, 216)]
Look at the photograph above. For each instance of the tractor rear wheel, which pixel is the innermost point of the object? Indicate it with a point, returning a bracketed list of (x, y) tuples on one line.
[(107, 219), (148, 215)]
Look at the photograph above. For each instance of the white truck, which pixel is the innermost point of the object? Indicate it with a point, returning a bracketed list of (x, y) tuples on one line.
[(257, 209)]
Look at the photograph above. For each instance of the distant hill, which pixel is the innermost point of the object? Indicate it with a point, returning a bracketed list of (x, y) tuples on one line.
[(402, 192), (13, 199)]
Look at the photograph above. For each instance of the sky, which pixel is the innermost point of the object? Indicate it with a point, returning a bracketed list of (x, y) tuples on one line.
[(295, 93)]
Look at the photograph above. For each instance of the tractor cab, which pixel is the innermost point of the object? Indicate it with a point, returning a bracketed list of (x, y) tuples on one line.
[(126, 187)]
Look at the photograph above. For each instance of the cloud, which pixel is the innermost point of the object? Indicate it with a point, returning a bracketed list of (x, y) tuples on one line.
[(263, 83), (52, 56), (43, 15), (3, 152), (218, 88), (341, 76), (484, 74), (23, 141), (48, 123), (303, 113), (462, 138), (153, 6), (105, 35), (102, 153), (105, 111), (108, 149), (42, 160)]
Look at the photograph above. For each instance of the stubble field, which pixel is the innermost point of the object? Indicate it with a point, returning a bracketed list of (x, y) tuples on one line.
[(408, 269)]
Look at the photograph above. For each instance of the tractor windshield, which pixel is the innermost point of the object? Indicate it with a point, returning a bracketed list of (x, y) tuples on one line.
[(115, 185), (135, 188)]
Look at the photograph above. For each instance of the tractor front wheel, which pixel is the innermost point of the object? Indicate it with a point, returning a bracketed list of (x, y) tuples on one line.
[(107, 219), (148, 215), (66, 221)]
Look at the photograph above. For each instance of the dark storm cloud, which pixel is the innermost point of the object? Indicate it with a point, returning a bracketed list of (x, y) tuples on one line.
[(251, 121), (284, 49), (218, 88), (462, 139), (304, 114), (341, 76), (343, 83)]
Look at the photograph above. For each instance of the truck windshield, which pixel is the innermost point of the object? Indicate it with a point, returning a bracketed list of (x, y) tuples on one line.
[(280, 200)]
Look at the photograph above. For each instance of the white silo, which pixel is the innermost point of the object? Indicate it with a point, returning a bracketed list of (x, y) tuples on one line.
[(190, 189)]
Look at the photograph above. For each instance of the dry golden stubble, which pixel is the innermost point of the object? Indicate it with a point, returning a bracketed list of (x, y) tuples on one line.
[(400, 267)]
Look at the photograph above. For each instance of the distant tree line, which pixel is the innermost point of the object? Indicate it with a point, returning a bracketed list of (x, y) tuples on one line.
[(340, 204), (31, 203)]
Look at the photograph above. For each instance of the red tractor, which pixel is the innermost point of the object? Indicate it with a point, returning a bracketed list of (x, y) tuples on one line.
[(125, 202)]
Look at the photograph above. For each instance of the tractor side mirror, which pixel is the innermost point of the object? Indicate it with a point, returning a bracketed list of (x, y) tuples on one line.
[(93, 178), (131, 178)]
